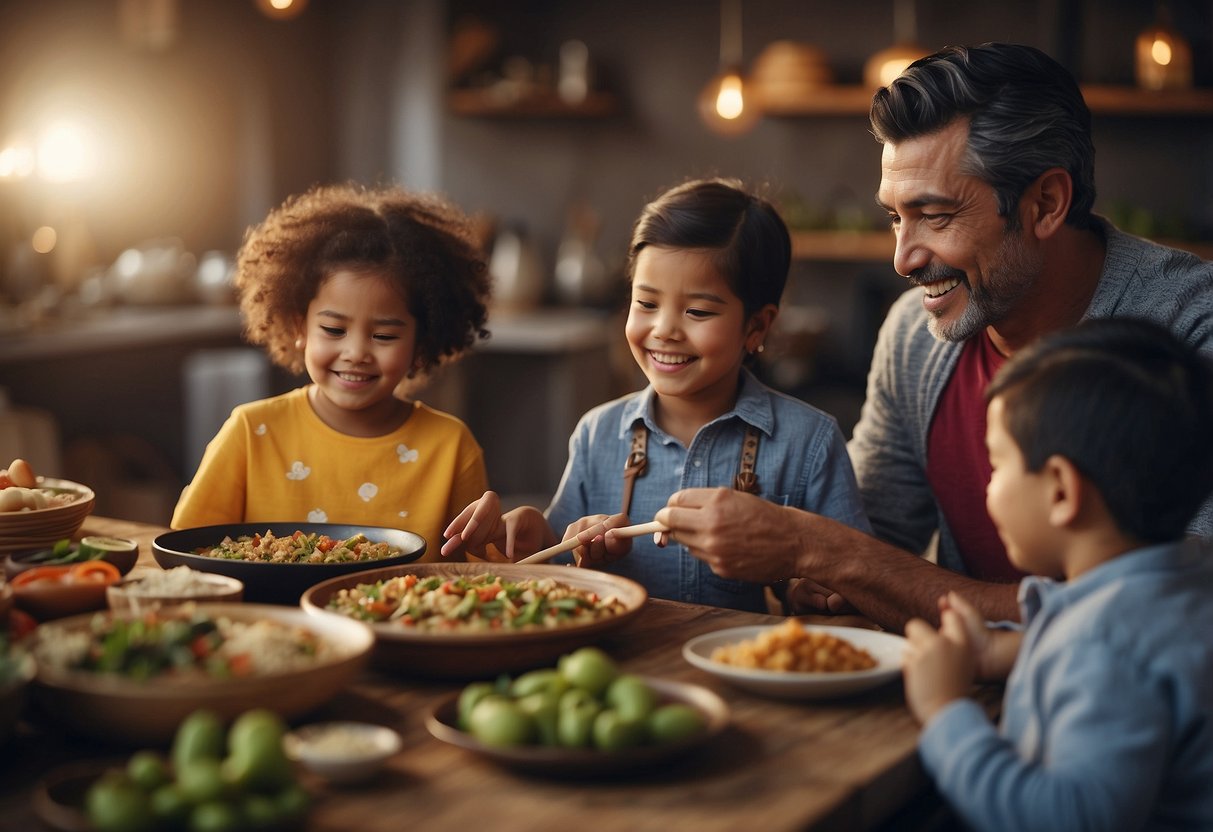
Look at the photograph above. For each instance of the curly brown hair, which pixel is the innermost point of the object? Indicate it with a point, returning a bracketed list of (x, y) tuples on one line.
[(419, 241)]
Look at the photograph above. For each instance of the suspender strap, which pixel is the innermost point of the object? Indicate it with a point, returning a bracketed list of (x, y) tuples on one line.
[(745, 480), (636, 463)]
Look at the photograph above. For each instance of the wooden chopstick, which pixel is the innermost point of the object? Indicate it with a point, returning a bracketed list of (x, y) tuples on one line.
[(652, 527)]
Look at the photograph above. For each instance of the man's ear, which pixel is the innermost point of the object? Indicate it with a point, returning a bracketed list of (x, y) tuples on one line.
[(1046, 202), (1068, 491)]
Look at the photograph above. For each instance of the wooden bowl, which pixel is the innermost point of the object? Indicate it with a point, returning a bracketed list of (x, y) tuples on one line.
[(47, 600), (133, 594), (136, 712), (40, 528), (19, 562), (573, 763), (466, 655)]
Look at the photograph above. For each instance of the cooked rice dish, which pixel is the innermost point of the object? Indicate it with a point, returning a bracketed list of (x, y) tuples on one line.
[(299, 547), (473, 603), (188, 646)]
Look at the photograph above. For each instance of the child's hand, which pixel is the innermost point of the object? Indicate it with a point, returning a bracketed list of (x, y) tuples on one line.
[(939, 664), (599, 547), (522, 530), (994, 651)]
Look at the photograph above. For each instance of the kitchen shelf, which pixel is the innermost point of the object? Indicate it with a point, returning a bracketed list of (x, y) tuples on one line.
[(483, 104), (875, 246), (1102, 99)]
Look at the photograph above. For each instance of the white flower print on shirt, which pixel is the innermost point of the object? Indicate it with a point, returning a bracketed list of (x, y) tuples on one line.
[(260, 429), (298, 471), (367, 491), (403, 513), (317, 515), (406, 454)]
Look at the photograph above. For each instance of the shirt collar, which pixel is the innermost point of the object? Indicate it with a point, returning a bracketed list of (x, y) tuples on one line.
[(753, 407), (1037, 593)]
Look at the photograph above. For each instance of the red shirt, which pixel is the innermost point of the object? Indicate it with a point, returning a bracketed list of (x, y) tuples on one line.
[(958, 466)]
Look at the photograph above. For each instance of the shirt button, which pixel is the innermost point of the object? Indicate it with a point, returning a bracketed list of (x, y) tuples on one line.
[(698, 462)]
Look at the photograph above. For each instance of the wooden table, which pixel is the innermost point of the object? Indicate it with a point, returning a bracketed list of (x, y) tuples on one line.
[(845, 765)]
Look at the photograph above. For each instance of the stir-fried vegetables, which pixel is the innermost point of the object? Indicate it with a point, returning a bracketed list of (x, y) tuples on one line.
[(299, 547), (174, 645), (475, 602)]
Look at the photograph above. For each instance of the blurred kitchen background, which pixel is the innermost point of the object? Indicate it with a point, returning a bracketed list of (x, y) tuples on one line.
[(140, 138)]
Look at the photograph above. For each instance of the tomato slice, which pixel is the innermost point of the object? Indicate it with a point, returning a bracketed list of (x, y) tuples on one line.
[(94, 571), (40, 573)]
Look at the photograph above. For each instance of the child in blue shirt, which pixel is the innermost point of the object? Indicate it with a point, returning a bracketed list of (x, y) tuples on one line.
[(707, 265), (1101, 439)]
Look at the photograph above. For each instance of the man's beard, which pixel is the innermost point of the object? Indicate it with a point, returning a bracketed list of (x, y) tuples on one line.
[(1008, 281)]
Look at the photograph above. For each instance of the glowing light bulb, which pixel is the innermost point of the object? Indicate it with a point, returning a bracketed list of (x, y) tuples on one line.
[(44, 239), (1160, 51), (65, 153), (730, 102)]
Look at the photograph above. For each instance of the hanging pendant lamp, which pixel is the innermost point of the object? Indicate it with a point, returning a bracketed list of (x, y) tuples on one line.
[(726, 105)]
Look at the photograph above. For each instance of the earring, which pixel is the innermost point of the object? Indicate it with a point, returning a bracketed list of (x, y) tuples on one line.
[(761, 347), (299, 342)]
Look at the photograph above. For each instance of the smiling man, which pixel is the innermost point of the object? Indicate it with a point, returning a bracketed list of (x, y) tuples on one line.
[(987, 174)]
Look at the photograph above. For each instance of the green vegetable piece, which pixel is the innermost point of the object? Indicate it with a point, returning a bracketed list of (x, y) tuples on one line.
[(541, 708), (631, 696), (469, 697), (215, 816), (674, 722), (257, 761), (498, 721), (169, 806), (588, 668), (614, 732), (201, 780), (199, 737), (543, 680), (147, 770), (115, 804), (575, 722)]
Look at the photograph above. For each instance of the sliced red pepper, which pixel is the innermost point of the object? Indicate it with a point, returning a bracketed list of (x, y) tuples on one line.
[(38, 574), (489, 592), (200, 647), (94, 571)]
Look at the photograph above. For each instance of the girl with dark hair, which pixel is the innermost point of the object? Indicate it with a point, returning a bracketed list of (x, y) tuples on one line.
[(707, 266), (367, 290)]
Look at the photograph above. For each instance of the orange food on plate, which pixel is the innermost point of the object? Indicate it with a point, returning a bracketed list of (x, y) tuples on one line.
[(790, 647), (92, 571)]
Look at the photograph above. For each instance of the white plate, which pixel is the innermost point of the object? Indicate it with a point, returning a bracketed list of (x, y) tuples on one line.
[(886, 648)]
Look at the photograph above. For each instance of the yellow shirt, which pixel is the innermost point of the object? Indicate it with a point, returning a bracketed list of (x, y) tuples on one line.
[(274, 460)]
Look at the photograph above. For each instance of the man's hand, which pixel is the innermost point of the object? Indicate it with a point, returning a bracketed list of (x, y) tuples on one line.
[(515, 534)]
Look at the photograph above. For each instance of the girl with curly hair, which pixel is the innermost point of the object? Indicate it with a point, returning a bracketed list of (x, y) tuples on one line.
[(368, 290)]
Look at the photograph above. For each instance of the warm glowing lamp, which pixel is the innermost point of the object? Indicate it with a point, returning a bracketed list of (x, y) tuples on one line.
[(281, 9), (887, 64), (726, 105), (1163, 58)]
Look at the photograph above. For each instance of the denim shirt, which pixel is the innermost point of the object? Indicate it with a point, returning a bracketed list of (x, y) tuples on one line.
[(1108, 714), (802, 462)]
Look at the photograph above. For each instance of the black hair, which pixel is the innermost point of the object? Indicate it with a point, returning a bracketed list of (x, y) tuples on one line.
[(1130, 406), (746, 239), (1026, 115)]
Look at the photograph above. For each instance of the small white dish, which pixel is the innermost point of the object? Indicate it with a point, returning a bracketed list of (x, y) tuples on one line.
[(886, 648), (343, 752)]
